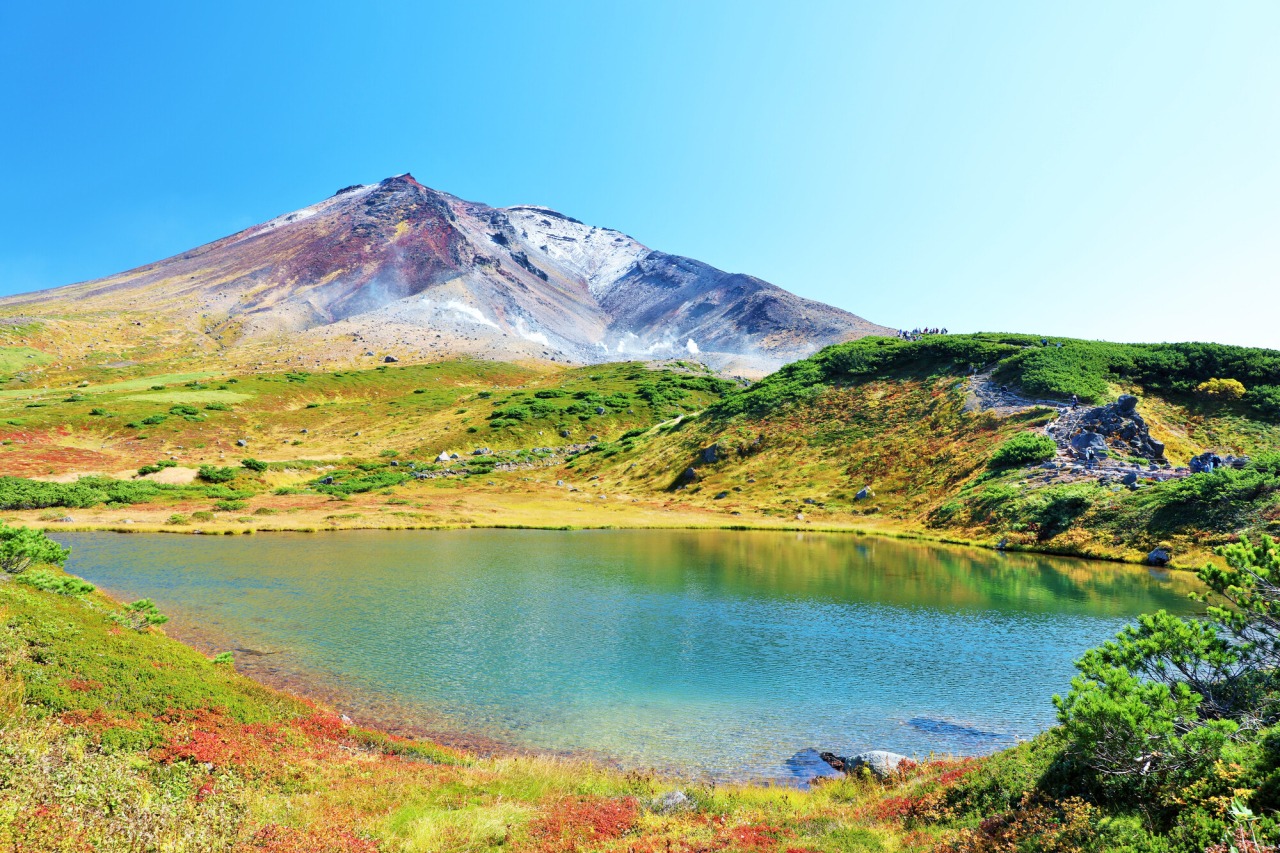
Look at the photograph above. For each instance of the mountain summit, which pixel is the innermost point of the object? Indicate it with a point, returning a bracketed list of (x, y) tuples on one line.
[(398, 268)]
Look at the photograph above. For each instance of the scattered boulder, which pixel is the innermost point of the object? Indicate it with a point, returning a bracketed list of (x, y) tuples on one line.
[(721, 495), (672, 802), (240, 442), (689, 476), (391, 359), (1129, 479), (1205, 463), (443, 457), (564, 433), (863, 494), (1159, 557), (600, 410), (710, 455)]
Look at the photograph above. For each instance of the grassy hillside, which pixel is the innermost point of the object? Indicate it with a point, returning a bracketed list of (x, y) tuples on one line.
[(411, 410), (898, 418), (901, 423)]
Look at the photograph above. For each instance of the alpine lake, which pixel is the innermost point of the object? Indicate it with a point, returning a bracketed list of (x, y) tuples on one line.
[(714, 654)]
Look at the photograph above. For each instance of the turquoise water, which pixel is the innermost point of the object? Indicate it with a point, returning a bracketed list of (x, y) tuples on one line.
[(717, 653)]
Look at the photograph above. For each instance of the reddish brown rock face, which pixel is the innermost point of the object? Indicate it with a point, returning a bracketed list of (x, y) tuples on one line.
[(399, 266)]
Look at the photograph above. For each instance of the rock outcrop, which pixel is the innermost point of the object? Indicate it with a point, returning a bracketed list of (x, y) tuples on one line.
[(1114, 428)]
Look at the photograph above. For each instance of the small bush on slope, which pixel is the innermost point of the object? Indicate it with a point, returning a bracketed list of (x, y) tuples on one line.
[(1025, 448)]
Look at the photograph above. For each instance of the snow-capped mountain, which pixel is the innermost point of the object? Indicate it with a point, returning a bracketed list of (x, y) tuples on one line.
[(399, 268)]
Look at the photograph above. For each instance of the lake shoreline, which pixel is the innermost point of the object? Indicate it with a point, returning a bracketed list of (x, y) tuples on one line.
[(468, 638), (105, 523)]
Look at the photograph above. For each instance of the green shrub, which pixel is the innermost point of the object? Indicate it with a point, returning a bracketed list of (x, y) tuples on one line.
[(19, 493), (217, 407), (254, 465), (183, 410), (202, 515), (224, 659), (154, 420), (1025, 448), (61, 584), (229, 506), (1158, 715), (140, 615), (21, 547), (214, 474)]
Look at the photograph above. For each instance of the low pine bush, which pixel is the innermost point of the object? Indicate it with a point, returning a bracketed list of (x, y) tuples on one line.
[(1025, 448)]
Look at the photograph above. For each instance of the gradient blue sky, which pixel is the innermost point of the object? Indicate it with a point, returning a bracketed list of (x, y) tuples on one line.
[(1104, 170)]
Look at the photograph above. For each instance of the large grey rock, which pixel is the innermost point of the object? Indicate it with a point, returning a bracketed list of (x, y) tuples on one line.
[(1086, 440), (863, 494), (1126, 404), (1159, 557), (878, 762), (710, 455)]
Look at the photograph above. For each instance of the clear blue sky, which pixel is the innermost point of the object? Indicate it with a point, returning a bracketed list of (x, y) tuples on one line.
[(1096, 169)]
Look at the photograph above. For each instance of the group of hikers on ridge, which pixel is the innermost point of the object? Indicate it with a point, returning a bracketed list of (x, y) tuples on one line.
[(917, 334)]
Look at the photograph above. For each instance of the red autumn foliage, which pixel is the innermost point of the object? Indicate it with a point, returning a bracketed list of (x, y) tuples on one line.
[(82, 685), (754, 836), (575, 821), (211, 737), (274, 838)]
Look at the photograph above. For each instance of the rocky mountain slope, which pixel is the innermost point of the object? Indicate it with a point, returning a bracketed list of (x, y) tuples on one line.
[(396, 268)]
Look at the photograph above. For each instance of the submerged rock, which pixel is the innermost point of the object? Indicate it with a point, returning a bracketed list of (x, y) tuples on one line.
[(809, 764)]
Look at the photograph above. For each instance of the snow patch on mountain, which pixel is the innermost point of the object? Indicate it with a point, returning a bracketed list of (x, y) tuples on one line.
[(600, 256)]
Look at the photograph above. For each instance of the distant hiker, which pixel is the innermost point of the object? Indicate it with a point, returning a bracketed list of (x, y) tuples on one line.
[(1075, 401)]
